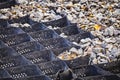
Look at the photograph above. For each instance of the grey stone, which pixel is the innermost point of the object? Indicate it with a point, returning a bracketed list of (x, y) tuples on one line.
[(109, 31), (117, 12)]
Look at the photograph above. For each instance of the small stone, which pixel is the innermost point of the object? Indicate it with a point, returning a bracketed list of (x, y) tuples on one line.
[(80, 51), (109, 31), (99, 16), (73, 50), (117, 12), (81, 15), (83, 1), (63, 35), (77, 9), (103, 45), (3, 17), (26, 25), (60, 0), (15, 25), (85, 40), (109, 40), (69, 17), (109, 47), (116, 0), (114, 52), (97, 49), (102, 61), (118, 40), (97, 27), (94, 61), (57, 17), (76, 43), (88, 50), (97, 42), (37, 16), (22, 1), (69, 5), (50, 27), (103, 56), (20, 14), (113, 19), (59, 9), (93, 55), (116, 32), (85, 45)]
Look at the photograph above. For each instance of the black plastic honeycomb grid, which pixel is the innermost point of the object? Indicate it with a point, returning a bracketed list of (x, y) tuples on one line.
[(33, 52), (13, 62), (4, 73), (40, 56), (24, 71), (34, 27), (7, 3), (44, 34), (52, 67), (7, 52), (5, 32), (28, 47)]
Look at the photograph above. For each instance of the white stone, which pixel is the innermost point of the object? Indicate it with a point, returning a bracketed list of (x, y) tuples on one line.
[(63, 35), (73, 50), (69, 17), (117, 12), (22, 1)]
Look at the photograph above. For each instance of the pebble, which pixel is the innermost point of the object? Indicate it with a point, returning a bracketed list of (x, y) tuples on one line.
[(94, 61), (78, 51), (110, 40), (63, 35), (117, 12), (85, 40), (4, 17), (101, 61), (109, 31), (88, 50), (37, 16), (83, 1), (97, 49), (26, 25), (99, 16), (117, 32), (22, 1), (70, 17), (114, 52), (15, 25), (71, 54)]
